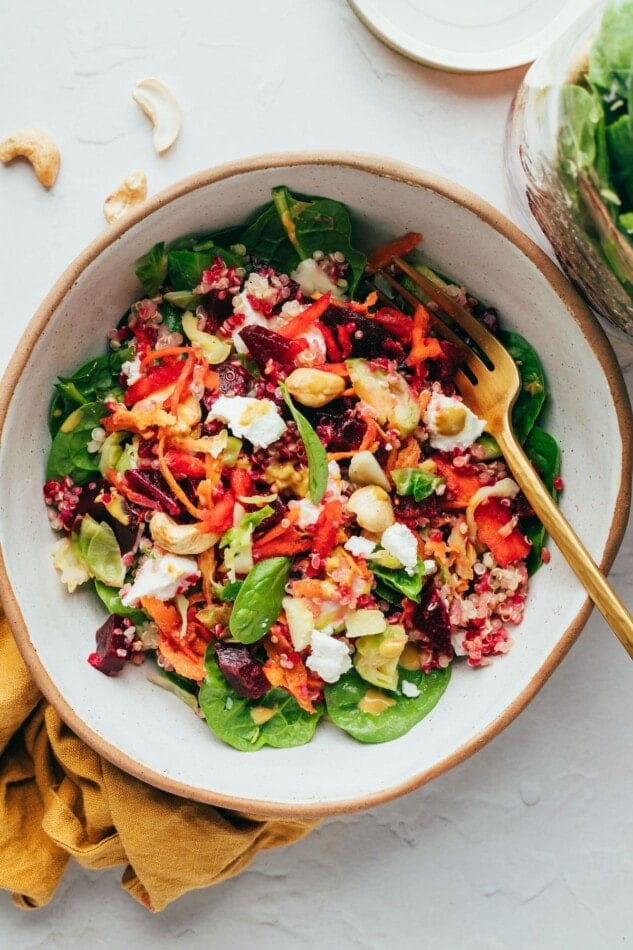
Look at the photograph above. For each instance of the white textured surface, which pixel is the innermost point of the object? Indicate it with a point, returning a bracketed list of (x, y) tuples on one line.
[(528, 844)]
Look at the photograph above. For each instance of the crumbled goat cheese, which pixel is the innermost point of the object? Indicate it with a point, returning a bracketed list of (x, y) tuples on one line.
[(308, 513), (451, 424), (162, 577), (132, 370), (257, 420), (401, 542), (359, 547), (329, 658), (409, 689)]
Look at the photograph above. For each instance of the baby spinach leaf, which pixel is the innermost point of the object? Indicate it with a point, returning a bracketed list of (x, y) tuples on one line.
[(92, 382), (267, 239), (533, 390), (258, 602), (319, 224), (544, 453), (409, 585), (69, 453), (293, 227), (185, 266), (110, 597), (342, 699), (151, 269), (230, 716), (315, 451)]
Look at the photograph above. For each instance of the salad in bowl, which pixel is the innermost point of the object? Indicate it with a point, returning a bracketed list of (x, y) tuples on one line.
[(275, 490)]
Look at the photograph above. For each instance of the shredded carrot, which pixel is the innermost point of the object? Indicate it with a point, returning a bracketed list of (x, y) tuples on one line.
[(187, 371), (304, 320), (284, 667), (356, 306), (206, 565), (420, 329), (423, 347), (185, 661), (282, 539), (409, 455), (430, 349), (152, 355), (165, 616), (171, 481), (312, 589)]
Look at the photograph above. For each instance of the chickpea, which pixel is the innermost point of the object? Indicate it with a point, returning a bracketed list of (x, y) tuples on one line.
[(372, 507), (314, 387)]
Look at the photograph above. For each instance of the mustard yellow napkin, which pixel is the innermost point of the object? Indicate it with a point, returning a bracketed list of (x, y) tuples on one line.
[(59, 799)]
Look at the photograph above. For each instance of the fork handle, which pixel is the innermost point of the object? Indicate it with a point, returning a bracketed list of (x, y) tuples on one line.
[(571, 547)]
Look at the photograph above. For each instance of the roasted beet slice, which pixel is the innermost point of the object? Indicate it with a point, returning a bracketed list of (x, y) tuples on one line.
[(341, 433), (264, 345), (431, 622), (234, 379), (241, 670), (368, 338), (151, 483), (113, 650)]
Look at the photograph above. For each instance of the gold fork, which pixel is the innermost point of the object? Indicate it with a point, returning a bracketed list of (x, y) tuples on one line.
[(490, 392)]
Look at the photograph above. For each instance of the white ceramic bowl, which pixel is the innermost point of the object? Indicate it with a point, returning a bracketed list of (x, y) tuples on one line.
[(147, 731)]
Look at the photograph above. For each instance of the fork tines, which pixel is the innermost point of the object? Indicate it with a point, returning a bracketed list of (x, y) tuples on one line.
[(451, 320)]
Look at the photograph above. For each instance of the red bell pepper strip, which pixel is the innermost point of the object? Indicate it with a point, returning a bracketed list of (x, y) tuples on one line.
[(398, 248), (327, 527), (491, 517), (397, 322), (460, 486), (157, 378), (219, 518), (184, 464), (241, 483), (331, 346)]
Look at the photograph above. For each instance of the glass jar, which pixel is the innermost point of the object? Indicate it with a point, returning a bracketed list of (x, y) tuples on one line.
[(567, 141)]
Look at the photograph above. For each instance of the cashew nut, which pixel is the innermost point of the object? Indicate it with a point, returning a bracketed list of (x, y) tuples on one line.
[(161, 106), (38, 148), (372, 507), (131, 193), (364, 469), (314, 387), (179, 538)]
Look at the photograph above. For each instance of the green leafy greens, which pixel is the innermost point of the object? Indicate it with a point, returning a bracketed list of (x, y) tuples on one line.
[(595, 141), (231, 717), (342, 699)]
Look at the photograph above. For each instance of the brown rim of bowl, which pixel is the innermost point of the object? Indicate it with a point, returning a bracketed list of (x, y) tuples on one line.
[(409, 174)]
